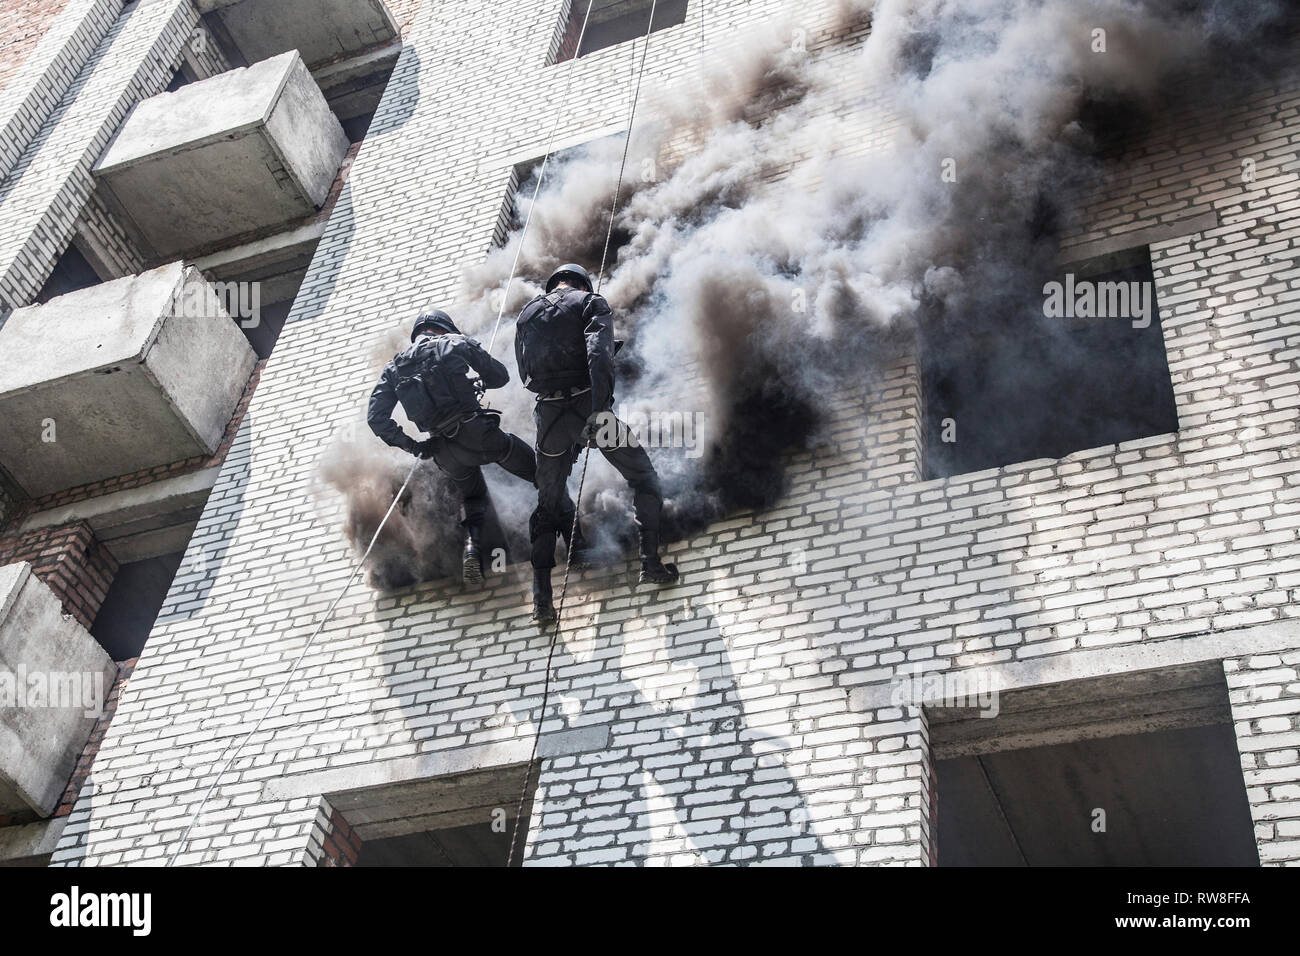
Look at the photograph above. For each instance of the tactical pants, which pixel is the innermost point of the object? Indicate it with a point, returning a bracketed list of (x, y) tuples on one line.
[(559, 427), (477, 442)]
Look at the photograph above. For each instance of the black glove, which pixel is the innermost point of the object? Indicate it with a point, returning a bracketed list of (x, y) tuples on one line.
[(595, 422), (424, 449)]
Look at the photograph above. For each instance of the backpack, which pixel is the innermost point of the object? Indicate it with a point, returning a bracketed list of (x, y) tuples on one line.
[(549, 346), (425, 390)]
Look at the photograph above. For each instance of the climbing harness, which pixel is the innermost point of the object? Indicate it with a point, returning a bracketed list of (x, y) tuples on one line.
[(586, 454), (329, 613)]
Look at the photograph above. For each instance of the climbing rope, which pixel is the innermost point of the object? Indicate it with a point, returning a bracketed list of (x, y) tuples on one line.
[(409, 475), (180, 846), (586, 454), (541, 174)]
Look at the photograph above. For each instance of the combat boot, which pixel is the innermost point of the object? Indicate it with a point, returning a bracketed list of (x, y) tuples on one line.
[(654, 571), (472, 560), (543, 610)]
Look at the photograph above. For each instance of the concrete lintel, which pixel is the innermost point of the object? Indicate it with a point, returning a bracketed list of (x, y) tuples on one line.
[(538, 149), (130, 504), (31, 840), (409, 769), (272, 248), (365, 63), (1105, 661), (1163, 232)]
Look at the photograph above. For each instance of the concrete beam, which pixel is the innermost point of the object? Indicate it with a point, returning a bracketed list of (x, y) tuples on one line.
[(107, 512), (278, 263), (318, 29), (1098, 256), (54, 680), (32, 843), (245, 150), (413, 769), (138, 523), (354, 87), (149, 374), (1103, 661)]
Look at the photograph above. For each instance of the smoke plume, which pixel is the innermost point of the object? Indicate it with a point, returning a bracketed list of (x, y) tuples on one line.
[(807, 202)]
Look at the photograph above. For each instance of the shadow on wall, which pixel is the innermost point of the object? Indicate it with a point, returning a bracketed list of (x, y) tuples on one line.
[(714, 787), (312, 305), (754, 808)]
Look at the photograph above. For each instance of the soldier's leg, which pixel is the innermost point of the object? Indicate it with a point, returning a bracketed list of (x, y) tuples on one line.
[(633, 463), (500, 447), (556, 452), (458, 463)]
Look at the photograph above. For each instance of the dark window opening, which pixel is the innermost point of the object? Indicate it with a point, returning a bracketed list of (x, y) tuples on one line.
[(465, 819), (1137, 769), (1047, 385), (356, 127), (71, 274), (601, 159), (472, 845), (183, 76), (263, 336), (132, 605), (612, 22)]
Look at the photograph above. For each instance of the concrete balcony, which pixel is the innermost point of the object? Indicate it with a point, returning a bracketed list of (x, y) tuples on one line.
[(117, 378), (54, 680), (248, 150), (318, 29)]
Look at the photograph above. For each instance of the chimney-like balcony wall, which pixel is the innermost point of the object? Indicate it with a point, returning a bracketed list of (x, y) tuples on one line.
[(54, 681), (247, 150), (320, 30), (118, 378)]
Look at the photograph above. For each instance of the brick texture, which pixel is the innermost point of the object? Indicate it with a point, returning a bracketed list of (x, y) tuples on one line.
[(731, 736), (22, 24), (332, 841), (69, 559)]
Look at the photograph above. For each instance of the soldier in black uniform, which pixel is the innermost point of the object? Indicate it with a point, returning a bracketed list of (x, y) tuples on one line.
[(564, 347), (432, 380)]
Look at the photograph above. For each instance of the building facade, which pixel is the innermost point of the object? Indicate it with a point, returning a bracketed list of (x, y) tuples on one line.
[(1080, 659)]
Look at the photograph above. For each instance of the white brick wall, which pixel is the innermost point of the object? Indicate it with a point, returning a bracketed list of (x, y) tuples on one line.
[(49, 184), (33, 93), (732, 736)]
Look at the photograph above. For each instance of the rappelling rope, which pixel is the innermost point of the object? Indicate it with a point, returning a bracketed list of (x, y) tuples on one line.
[(292, 670), (409, 475), (586, 454), (541, 174)]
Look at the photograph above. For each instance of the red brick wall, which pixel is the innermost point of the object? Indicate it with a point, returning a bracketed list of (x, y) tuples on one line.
[(342, 845), (69, 559), (22, 24)]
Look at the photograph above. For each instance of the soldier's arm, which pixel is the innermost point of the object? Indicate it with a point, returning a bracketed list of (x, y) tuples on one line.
[(493, 373), (599, 333), (380, 416)]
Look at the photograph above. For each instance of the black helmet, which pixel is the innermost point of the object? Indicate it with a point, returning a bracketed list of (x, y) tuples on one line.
[(573, 273), (433, 320)]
